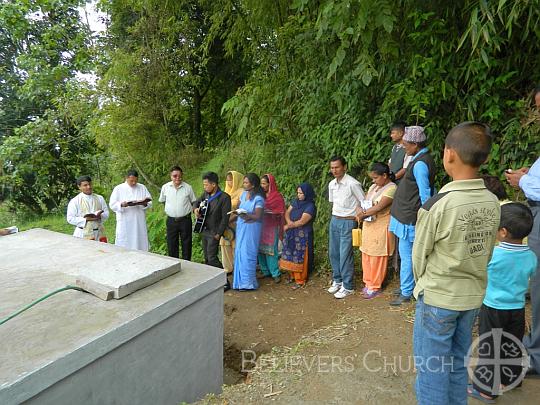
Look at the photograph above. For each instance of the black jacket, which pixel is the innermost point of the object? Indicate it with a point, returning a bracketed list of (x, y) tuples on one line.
[(217, 218), (407, 198)]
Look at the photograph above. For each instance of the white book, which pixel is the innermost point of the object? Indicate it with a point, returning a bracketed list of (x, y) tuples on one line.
[(12, 229), (239, 211), (367, 204)]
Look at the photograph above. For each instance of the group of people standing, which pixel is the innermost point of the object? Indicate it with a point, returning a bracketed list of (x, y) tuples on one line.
[(388, 213), (447, 253), (270, 235), (248, 222), (445, 242), (129, 200)]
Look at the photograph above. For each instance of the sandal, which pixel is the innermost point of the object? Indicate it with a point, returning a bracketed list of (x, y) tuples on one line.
[(474, 393), (298, 286)]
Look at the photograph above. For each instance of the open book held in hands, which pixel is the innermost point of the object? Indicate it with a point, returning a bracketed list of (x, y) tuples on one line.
[(139, 202), (239, 211), (93, 214)]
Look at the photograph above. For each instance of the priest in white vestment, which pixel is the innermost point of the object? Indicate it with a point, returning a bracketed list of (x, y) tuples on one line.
[(87, 212), (129, 201)]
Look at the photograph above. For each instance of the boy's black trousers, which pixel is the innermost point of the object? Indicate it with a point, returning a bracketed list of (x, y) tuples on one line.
[(511, 321)]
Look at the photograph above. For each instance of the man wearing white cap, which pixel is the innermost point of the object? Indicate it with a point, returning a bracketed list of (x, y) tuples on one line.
[(415, 188)]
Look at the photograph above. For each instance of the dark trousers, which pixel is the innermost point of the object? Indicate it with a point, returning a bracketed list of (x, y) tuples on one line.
[(210, 249), (179, 230), (532, 342), (511, 321), (396, 263)]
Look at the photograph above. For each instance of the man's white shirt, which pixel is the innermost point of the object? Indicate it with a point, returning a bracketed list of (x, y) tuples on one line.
[(345, 196), (178, 201)]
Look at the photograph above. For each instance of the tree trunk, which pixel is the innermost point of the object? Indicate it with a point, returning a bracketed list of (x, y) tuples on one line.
[(197, 135)]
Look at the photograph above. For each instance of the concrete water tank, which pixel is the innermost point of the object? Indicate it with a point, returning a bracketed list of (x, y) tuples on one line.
[(160, 343)]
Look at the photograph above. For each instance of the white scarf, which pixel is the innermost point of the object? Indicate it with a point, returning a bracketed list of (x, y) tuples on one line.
[(90, 204)]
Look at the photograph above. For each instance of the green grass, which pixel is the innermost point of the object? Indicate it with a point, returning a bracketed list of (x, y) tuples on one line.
[(52, 222), (193, 176), (155, 217), (7, 218)]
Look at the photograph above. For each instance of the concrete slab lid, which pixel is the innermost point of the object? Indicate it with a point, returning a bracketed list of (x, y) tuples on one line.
[(125, 271), (72, 329)]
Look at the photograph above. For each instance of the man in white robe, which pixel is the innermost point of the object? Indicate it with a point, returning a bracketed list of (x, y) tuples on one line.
[(87, 212), (129, 201)]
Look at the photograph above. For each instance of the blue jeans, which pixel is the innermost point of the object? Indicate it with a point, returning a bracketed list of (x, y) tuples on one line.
[(341, 251), (441, 340), (406, 276)]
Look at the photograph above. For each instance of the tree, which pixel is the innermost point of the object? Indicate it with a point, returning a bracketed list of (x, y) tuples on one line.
[(42, 44), (43, 158), (43, 144), (163, 81)]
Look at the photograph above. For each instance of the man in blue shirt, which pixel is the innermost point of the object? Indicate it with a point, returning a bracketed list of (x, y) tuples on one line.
[(415, 188), (529, 181)]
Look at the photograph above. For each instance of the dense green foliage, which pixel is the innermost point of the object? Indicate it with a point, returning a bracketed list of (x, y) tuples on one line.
[(335, 74), (331, 76), (265, 86)]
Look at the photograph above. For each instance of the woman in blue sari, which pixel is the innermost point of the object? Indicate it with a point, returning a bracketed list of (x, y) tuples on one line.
[(297, 255), (248, 234)]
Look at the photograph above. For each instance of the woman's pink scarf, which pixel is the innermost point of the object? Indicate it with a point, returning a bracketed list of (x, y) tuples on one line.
[(275, 204)]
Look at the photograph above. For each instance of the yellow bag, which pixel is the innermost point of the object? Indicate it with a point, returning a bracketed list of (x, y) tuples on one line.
[(357, 237)]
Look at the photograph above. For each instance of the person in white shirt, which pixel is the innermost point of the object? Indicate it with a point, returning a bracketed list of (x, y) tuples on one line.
[(130, 200), (87, 212), (345, 193), (178, 197)]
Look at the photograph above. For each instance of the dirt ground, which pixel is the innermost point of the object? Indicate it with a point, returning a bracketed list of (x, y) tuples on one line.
[(311, 348)]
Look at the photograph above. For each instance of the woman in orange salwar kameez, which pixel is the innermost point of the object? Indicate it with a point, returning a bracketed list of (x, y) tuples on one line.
[(377, 241)]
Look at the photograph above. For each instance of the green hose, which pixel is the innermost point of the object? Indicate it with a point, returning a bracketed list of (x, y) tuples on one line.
[(20, 311)]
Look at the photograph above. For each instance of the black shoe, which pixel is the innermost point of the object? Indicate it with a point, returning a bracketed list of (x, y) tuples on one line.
[(396, 292), (532, 373), (227, 286), (400, 300)]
